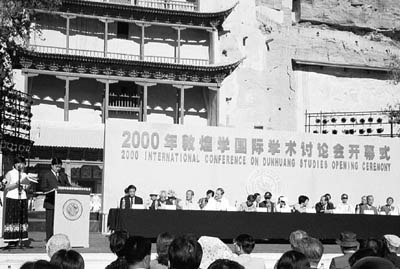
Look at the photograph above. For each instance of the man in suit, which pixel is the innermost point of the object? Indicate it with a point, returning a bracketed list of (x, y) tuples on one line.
[(348, 244), (50, 181), (369, 209), (131, 199)]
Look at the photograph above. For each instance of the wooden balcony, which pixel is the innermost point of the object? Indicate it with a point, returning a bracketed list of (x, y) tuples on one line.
[(159, 4), (119, 56)]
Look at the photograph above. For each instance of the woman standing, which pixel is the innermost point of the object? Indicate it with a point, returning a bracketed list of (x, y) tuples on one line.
[(16, 206)]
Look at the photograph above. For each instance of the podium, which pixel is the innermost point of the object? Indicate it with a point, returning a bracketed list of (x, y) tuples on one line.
[(72, 214)]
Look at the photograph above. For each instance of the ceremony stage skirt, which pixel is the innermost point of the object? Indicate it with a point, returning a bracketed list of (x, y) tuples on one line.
[(16, 218)]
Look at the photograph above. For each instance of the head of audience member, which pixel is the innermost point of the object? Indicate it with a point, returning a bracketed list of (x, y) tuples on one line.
[(19, 163), (163, 196), (378, 246), (56, 243), (389, 201), (312, 248), (213, 249), (364, 200), (268, 196), (323, 200), (392, 242), (164, 240), (184, 252), (131, 190), (303, 200), (56, 164), (296, 236), (344, 198), (361, 253), (225, 264), (250, 200), (244, 244), (348, 242), (257, 196), (328, 197), (189, 195), (40, 264), (370, 200), (373, 263), (117, 243), (219, 193), (137, 252), (293, 260), (210, 194), (68, 259)]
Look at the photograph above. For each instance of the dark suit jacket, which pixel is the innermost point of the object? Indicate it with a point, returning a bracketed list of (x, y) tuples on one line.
[(136, 201), (49, 182), (367, 207), (341, 262), (319, 208)]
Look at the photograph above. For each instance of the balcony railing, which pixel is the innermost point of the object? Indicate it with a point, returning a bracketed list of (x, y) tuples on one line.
[(161, 4), (119, 56)]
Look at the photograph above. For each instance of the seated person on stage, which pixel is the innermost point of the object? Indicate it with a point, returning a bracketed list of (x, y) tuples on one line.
[(322, 206), (330, 204), (117, 246), (185, 253), (203, 201), (312, 249), (344, 207), (243, 245), (348, 244), (137, 252), (188, 203), (293, 259), (393, 243), (295, 237), (389, 208), (369, 209), (70, 259), (172, 197), (267, 203), (56, 243), (219, 202), (164, 240), (283, 205), (249, 205), (301, 207), (226, 264), (152, 203), (257, 196), (131, 199), (363, 202), (163, 201)]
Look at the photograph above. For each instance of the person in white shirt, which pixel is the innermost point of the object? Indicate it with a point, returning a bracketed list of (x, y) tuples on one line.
[(219, 203), (282, 205), (344, 207), (243, 246), (188, 203)]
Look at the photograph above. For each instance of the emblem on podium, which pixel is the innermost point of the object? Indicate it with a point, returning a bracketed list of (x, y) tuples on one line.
[(72, 209)]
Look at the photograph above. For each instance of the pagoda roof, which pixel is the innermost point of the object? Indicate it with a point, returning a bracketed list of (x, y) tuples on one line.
[(145, 14)]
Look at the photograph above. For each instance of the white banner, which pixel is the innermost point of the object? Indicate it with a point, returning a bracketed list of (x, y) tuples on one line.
[(244, 161)]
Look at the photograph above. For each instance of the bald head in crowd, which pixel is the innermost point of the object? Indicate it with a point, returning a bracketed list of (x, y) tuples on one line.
[(312, 248)]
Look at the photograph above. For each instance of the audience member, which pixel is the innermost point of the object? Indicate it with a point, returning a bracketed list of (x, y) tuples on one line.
[(203, 201), (225, 264), (137, 252), (117, 246), (267, 203), (323, 206), (219, 203), (283, 205), (377, 245), (40, 264), (257, 196), (68, 259), (373, 263), (295, 237), (243, 246), (213, 249), (312, 249), (363, 202), (184, 253), (348, 244), (301, 207), (56, 243), (361, 253), (188, 204), (344, 207), (389, 208), (164, 240), (293, 260), (392, 243), (368, 208), (249, 205), (131, 199)]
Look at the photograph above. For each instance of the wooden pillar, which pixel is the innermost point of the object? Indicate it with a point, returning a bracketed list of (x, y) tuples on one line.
[(67, 30), (178, 44), (107, 83), (106, 22), (26, 82), (145, 86), (66, 95), (181, 102), (213, 46), (142, 38), (213, 109)]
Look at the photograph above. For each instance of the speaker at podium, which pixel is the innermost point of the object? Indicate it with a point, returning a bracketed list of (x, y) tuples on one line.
[(72, 214)]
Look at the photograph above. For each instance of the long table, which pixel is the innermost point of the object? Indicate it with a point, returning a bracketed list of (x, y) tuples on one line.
[(227, 225)]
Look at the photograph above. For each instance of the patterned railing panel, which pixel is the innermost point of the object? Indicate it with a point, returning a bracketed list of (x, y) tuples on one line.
[(161, 4)]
